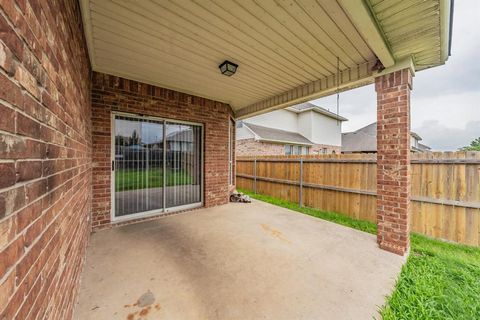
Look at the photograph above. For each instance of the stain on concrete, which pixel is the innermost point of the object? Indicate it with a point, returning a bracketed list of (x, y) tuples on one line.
[(275, 233), (145, 302), (146, 299), (218, 285), (144, 312)]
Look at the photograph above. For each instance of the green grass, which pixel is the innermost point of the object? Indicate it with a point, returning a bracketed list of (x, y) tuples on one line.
[(131, 179), (366, 226), (440, 280)]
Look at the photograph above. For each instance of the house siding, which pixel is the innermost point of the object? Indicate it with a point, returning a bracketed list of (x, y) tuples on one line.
[(305, 124), (243, 133), (325, 130), (111, 93), (45, 158), (278, 119)]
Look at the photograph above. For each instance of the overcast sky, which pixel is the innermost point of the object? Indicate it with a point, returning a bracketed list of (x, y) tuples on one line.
[(445, 102)]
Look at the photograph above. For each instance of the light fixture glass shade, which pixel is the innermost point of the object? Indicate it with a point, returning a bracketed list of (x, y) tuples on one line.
[(228, 68)]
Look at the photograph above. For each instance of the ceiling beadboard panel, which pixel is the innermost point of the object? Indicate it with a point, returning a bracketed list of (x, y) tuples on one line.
[(412, 27), (278, 45), (287, 50)]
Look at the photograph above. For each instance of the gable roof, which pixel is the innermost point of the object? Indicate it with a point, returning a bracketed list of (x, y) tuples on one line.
[(359, 141), (307, 106), (415, 135), (424, 147), (277, 135), (181, 136), (364, 139)]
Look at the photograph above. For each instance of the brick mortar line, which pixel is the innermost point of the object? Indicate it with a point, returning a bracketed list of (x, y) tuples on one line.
[(40, 60), (24, 183), (37, 239), (41, 198), (72, 239), (42, 251), (26, 92), (32, 50), (19, 135)]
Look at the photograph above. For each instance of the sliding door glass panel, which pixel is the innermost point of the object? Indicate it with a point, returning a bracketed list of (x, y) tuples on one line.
[(138, 165), (183, 164)]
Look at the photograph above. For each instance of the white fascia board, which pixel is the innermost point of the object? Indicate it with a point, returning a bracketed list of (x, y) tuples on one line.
[(286, 142)]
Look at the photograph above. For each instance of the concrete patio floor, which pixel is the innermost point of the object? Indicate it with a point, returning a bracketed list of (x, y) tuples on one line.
[(238, 261)]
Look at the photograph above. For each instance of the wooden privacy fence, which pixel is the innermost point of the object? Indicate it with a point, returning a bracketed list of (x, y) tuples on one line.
[(445, 188)]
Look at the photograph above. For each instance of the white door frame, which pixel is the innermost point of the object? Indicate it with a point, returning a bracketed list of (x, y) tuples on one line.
[(163, 210)]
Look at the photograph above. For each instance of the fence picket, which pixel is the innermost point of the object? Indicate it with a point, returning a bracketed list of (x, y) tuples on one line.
[(445, 188)]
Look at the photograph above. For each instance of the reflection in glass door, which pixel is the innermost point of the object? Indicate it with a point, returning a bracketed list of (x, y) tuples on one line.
[(183, 165), (157, 165), (138, 165)]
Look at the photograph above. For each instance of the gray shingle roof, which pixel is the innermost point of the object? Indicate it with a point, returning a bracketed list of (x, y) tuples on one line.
[(309, 106), (183, 135), (364, 139), (424, 147), (277, 135)]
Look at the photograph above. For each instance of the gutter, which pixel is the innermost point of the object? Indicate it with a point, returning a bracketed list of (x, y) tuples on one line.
[(320, 111), (446, 25), (452, 4), (286, 142)]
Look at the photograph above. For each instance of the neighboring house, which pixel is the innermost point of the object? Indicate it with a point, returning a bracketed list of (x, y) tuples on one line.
[(180, 140), (301, 129), (364, 140), (424, 148)]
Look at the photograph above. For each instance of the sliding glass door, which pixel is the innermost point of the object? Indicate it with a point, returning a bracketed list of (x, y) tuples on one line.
[(183, 164), (157, 166)]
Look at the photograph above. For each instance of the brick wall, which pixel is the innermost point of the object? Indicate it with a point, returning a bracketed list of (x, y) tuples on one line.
[(45, 158), (393, 160), (250, 147), (111, 93), (318, 149)]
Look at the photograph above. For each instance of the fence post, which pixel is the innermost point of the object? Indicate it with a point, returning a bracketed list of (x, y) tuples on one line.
[(300, 196), (255, 175)]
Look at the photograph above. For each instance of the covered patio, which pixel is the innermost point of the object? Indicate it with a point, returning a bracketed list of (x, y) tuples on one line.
[(237, 261), (107, 102), (277, 54)]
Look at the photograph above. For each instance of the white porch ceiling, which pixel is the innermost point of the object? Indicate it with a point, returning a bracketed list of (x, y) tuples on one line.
[(286, 49)]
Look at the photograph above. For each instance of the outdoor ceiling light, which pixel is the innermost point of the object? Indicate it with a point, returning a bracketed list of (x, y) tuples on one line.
[(228, 68)]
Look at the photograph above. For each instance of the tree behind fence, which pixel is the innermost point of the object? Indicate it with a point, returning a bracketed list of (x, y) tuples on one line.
[(445, 188)]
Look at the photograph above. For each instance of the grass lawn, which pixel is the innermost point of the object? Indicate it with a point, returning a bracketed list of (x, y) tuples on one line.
[(130, 179), (439, 280)]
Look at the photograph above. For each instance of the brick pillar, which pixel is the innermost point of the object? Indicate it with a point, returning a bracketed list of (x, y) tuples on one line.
[(393, 160)]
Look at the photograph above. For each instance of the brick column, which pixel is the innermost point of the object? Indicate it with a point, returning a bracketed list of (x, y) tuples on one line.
[(393, 160)]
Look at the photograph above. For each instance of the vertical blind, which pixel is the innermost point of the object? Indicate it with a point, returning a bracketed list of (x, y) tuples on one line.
[(158, 165)]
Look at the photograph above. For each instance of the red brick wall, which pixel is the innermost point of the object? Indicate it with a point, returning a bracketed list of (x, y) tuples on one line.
[(250, 147), (111, 93), (318, 149), (393, 160), (45, 158)]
